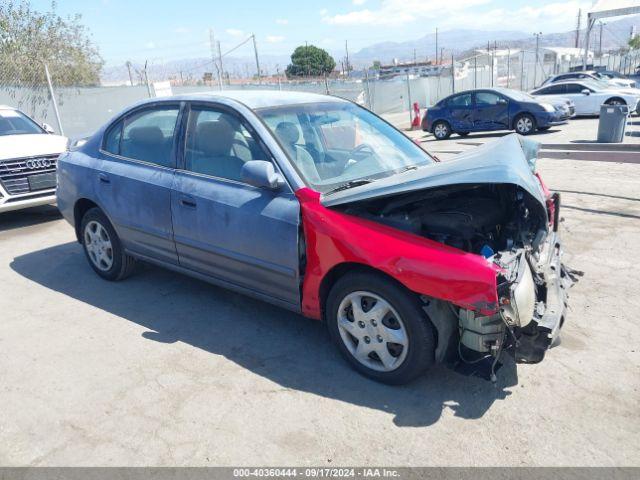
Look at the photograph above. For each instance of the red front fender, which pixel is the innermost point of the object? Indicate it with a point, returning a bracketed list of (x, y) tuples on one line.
[(422, 265)]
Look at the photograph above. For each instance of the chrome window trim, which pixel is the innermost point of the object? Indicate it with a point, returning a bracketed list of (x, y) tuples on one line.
[(135, 160)]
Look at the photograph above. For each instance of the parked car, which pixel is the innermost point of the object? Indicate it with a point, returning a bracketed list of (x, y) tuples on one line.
[(490, 109), (28, 155), (317, 205), (618, 77), (588, 95), (612, 81)]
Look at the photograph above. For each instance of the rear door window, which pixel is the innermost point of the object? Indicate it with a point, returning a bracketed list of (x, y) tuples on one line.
[(463, 100), (146, 135)]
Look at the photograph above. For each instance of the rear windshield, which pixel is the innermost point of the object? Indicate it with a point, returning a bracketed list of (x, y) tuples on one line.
[(13, 122)]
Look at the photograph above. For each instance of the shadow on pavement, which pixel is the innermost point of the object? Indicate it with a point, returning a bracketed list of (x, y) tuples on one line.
[(28, 217), (430, 138), (282, 346)]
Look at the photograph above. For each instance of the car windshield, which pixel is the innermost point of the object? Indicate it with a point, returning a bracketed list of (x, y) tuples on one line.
[(13, 122), (339, 144), (517, 96), (595, 85)]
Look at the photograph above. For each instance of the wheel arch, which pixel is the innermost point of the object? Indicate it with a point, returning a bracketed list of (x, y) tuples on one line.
[(611, 99), (521, 113), (82, 206), (440, 120)]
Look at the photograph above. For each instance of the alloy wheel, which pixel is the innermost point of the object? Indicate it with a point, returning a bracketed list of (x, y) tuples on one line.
[(372, 331), (98, 245), (524, 125), (440, 130)]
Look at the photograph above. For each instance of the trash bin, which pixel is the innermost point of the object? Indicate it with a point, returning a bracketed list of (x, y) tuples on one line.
[(613, 120)]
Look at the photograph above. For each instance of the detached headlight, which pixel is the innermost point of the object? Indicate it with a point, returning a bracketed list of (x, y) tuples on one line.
[(548, 107)]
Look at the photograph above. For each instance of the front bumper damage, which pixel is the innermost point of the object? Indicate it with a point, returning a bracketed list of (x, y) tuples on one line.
[(533, 300)]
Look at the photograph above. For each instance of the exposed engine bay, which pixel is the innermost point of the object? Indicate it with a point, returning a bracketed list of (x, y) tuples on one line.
[(508, 226)]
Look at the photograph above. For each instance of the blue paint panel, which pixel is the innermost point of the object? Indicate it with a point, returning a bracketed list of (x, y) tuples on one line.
[(242, 234)]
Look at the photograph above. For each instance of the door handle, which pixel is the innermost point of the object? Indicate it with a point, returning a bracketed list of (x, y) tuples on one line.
[(188, 202), (104, 178)]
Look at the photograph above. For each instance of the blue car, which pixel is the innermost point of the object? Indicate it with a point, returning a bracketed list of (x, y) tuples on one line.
[(490, 109)]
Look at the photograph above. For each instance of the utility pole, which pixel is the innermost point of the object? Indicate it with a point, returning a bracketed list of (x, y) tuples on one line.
[(535, 67), (146, 78), (220, 60), (441, 55), (437, 47), (214, 60), (346, 58), (255, 50), (414, 57), (578, 28), (600, 41), (128, 64)]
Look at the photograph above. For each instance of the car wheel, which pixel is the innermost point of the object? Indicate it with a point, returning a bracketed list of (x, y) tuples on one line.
[(380, 328), (103, 248), (441, 130), (463, 134), (525, 124), (615, 101)]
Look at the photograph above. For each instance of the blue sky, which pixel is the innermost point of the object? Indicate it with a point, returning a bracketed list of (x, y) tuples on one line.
[(163, 30)]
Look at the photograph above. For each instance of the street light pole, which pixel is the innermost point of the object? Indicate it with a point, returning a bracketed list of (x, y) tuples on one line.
[(535, 67)]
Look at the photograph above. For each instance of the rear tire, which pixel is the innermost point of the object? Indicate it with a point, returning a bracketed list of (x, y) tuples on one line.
[(102, 247), (524, 124), (389, 338), (441, 130)]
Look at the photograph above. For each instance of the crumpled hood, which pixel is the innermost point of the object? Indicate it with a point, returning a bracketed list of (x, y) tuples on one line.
[(31, 145), (509, 160)]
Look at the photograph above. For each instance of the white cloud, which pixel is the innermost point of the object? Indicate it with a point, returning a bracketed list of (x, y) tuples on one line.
[(400, 12), (549, 18), (234, 32), (274, 38), (462, 14), (282, 21), (359, 2)]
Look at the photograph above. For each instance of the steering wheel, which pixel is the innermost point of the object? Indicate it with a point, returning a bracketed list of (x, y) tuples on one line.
[(359, 153)]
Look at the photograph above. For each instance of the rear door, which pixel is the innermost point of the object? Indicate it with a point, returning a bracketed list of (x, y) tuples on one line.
[(491, 112), (461, 112), (226, 229), (134, 182)]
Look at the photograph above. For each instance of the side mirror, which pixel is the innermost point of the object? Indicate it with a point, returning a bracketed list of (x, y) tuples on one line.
[(502, 101), (261, 174), (586, 91), (48, 128)]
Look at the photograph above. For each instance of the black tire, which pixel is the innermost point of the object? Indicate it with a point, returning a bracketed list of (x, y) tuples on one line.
[(441, 130), (544, 128), (463, 134), (615, 101), (524, 124), (416, 325), (122, 264)]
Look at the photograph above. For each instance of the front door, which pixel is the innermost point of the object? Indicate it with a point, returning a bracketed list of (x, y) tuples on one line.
[(227, 229), (134, 183)]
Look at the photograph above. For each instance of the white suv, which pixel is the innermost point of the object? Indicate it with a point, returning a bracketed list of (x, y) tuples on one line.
[(28, 157)]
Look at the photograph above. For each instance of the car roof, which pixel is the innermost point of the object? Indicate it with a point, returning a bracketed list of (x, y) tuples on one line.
[(256, 98)]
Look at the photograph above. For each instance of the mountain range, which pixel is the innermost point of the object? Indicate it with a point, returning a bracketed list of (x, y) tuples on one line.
[(454, 42)]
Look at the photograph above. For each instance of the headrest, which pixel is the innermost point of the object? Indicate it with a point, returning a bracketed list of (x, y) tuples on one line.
[(149, 135), (288, 132), (215, 138)]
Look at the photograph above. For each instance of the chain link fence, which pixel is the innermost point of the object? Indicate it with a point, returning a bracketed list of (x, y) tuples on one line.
[(81, 110)]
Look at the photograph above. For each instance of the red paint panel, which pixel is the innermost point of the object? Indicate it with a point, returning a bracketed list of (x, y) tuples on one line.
[(422, 265)]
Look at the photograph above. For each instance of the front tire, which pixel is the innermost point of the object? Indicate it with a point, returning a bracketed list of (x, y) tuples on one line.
[(524, 124), (380, 328), (102, 247), (441, 130)]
